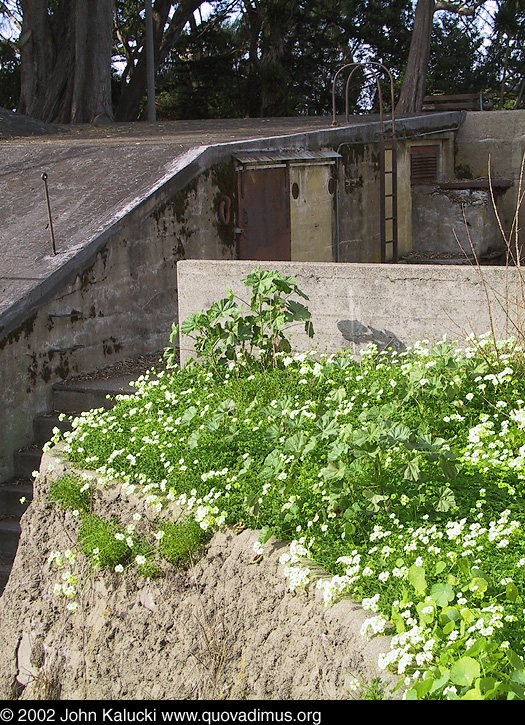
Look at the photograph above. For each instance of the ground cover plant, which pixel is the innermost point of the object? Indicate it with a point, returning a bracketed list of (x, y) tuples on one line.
[(397, 479)]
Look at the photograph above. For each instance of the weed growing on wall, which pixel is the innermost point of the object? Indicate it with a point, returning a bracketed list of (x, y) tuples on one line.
[(255, 331), (397, 481)]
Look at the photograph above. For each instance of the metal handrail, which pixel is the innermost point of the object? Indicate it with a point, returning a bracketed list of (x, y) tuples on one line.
[(369, 65)]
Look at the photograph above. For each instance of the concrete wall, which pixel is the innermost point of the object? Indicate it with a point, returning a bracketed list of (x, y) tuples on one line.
[(461, 221), (354, 304), (495, 138)]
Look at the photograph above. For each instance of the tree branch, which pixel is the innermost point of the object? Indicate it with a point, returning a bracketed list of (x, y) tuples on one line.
[(460, 8)]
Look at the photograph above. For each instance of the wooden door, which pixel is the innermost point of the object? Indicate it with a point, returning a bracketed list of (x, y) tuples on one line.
[(263, 215)]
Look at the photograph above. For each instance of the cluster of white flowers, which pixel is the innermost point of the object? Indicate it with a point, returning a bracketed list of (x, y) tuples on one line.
[(297, 575)]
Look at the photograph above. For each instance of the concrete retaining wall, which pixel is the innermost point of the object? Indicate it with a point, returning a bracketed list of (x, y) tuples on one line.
[(354, 304)]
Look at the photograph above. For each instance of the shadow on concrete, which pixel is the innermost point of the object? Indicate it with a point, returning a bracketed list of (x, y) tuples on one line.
[(355, 332)]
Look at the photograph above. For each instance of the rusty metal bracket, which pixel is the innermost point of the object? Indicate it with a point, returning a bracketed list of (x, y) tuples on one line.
[(49, 217)]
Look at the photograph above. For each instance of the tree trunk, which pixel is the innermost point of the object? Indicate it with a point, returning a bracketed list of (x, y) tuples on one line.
[(414, 82), (133, 92), (66, 60)]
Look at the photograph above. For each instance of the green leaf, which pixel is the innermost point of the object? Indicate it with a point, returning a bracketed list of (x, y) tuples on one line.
[(214, 423), (272, 466), (189, 415), (473, 694), (511, 590), (446, 499), (295, 443), (464, 671), (416, 576), (478, 584), (194, 322), (518, 676), (515, 660), (337, 395), (265, 534), (411, 471), (334, 471), (328, 425), (442, 594), (337, 449), (193, 439), (399, 433)]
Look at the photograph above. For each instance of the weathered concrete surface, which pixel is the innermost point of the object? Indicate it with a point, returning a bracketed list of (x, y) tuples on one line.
[(354, 304), (223, 628), (494, 140), (454, 221)]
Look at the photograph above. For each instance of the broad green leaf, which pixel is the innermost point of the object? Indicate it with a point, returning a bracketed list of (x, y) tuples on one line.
[(193, 322), (416, 576), (265, 534), (464, 671), (328, 425), (272, 432), (441, 681), (227, 406), (511, 590), (337, 395), (193, 439), (515, 660), (411, 471), (518, 676), (272, 466), (478, 585), (442, 594), (473, 694), (295, 443), (399, 433), (334, 470), (189, 415), (446, 499), (337, 449), (214, 423)]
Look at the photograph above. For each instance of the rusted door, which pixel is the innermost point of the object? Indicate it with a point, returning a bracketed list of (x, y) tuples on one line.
[(263, 214)]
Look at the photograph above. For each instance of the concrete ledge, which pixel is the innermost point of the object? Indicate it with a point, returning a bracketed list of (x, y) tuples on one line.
[(355, 304)]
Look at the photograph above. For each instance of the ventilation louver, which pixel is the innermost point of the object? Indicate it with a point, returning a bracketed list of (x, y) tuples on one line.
[(423, 164)]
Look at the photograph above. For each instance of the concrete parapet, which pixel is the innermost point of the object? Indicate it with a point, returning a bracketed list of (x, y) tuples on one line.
[(355, 304)]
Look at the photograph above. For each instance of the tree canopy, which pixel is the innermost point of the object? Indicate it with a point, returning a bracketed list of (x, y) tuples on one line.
[(69, 61)]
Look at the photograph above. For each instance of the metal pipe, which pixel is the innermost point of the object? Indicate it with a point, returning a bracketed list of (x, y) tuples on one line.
[(50, 220)]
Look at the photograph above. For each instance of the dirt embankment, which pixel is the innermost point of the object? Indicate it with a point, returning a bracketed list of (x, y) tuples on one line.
[(224, 628)]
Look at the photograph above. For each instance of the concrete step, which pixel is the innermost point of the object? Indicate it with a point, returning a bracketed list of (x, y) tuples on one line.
[(43, 426), (9, 536), (26, 461), (10, 495), (78, 397)]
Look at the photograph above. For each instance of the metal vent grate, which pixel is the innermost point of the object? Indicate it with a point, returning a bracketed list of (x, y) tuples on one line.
[(423, 164)]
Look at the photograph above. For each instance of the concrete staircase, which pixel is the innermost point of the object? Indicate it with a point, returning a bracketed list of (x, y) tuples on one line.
[(70, 397)]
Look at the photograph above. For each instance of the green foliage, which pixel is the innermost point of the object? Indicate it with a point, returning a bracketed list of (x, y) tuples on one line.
[(70, 492), (180, 541), (98, 541), (229, 330)]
